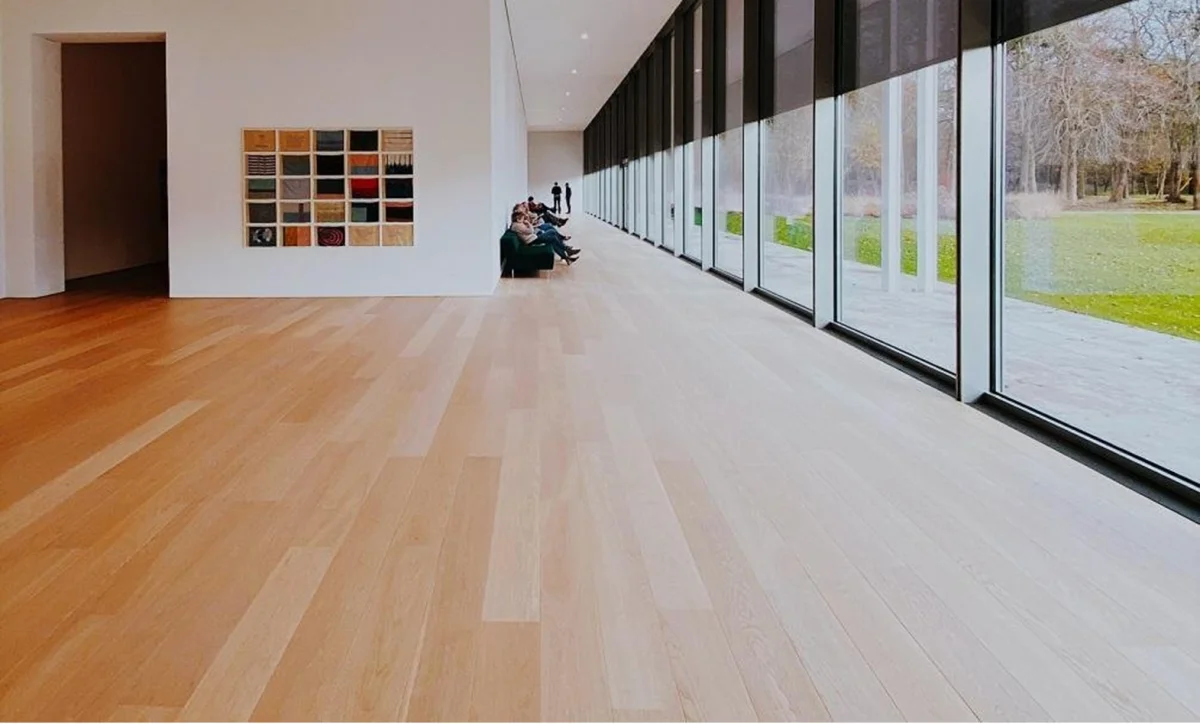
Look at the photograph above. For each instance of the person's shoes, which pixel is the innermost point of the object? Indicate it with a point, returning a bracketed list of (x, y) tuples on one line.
[(575, 255)]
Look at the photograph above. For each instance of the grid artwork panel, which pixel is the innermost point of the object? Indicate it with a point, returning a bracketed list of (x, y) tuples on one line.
[(325, 187)]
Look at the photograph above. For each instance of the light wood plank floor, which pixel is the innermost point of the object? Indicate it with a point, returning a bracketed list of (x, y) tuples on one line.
[(622, 491)]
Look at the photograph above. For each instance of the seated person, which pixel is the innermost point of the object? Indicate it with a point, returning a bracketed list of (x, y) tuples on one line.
[(537, 222), (544, 211), (529, 235)]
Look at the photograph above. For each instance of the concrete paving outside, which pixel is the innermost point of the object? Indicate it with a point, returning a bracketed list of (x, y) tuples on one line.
[(1136, 388)]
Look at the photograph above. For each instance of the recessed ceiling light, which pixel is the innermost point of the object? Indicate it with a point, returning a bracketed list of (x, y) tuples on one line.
[(583, 37), (574, 72), (697, 70), (568, 94)]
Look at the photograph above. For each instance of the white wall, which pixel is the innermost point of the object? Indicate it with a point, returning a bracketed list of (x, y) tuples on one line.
[(509, 129), (556, 156), (233, 64)]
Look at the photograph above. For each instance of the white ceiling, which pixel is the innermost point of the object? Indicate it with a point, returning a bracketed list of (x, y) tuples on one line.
[(547, 35)]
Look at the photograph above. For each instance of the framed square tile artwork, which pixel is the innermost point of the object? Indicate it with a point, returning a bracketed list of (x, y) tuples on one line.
[(328, 188)]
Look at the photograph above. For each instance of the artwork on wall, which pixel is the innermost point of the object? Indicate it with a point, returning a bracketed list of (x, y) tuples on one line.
[(297, 236), (322, 187)]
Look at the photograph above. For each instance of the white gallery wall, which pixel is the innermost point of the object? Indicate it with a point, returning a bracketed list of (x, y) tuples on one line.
[(555, 156), (509, 129), (234, 64)]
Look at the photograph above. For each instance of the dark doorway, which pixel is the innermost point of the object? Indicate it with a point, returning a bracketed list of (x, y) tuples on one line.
[(114, 101)]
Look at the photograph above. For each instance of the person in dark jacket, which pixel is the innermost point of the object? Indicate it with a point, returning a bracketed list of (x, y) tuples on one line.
[(556, 192), (568, 195)]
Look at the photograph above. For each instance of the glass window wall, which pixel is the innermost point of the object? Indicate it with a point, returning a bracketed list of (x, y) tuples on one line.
[(1101, 232), (1095, 274), (727, 253), (786, 160), (898, 241)]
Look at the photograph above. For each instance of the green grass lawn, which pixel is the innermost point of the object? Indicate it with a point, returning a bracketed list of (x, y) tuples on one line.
[(1137, 268)]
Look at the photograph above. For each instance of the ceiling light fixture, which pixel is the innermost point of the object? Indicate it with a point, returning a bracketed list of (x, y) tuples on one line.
[(574, 71), (583, 36)]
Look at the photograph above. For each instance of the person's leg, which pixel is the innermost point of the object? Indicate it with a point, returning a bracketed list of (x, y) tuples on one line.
[(551, 239)]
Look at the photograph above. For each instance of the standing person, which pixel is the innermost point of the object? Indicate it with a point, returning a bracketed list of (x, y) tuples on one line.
[(556, 192), (568, 197)]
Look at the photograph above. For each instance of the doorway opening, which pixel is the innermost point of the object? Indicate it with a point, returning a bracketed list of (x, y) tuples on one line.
[(114, 164)]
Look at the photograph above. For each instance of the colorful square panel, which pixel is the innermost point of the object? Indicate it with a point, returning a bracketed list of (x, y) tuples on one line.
[(296, 189), (331, 140), (331, 213), (260, 213), (297, 165), (398, 164), (295, 141), (260, 165), (262, 236), (364, 236), (258, 141), (364, 213), (398, 141), (399, 212), (297, 236), (294, 213), (331, 188), (331, 236), (364, 188), (364, 140), (364, 164), (401, 235), (331, 165), (260, 188), (399, 188)]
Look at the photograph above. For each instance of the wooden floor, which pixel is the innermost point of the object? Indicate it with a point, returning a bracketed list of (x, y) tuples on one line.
[(622, 491)]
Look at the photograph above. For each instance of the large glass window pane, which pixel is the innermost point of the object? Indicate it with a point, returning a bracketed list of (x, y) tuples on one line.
[(654, 208), (898, 243), (694, 191), (669, 198), (786, 160), (693, 159), (1101, 262), (729, 152)]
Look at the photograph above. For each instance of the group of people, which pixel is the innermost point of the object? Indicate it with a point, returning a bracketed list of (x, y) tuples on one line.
[(537, 223), (556, 193)]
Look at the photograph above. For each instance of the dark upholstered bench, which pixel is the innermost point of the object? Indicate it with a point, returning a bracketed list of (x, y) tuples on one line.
[(517, 257)]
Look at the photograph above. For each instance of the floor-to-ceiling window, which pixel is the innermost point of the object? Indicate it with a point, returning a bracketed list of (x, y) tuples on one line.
[(898, 239), (654, 199), (693, 161), (668, 177), (786, 160), (727, 253), (1101, 231)]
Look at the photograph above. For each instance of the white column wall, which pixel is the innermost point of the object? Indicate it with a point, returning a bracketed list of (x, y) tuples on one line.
[(893, 181), (751, 205), (927, 178), (555, 156), (708, 178)]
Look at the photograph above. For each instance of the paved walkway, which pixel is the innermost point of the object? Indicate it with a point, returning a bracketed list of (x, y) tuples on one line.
[(1136, 388)]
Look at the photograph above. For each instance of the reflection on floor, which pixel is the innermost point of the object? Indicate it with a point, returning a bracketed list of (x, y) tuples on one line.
[(1128, 385), (621, 490)]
